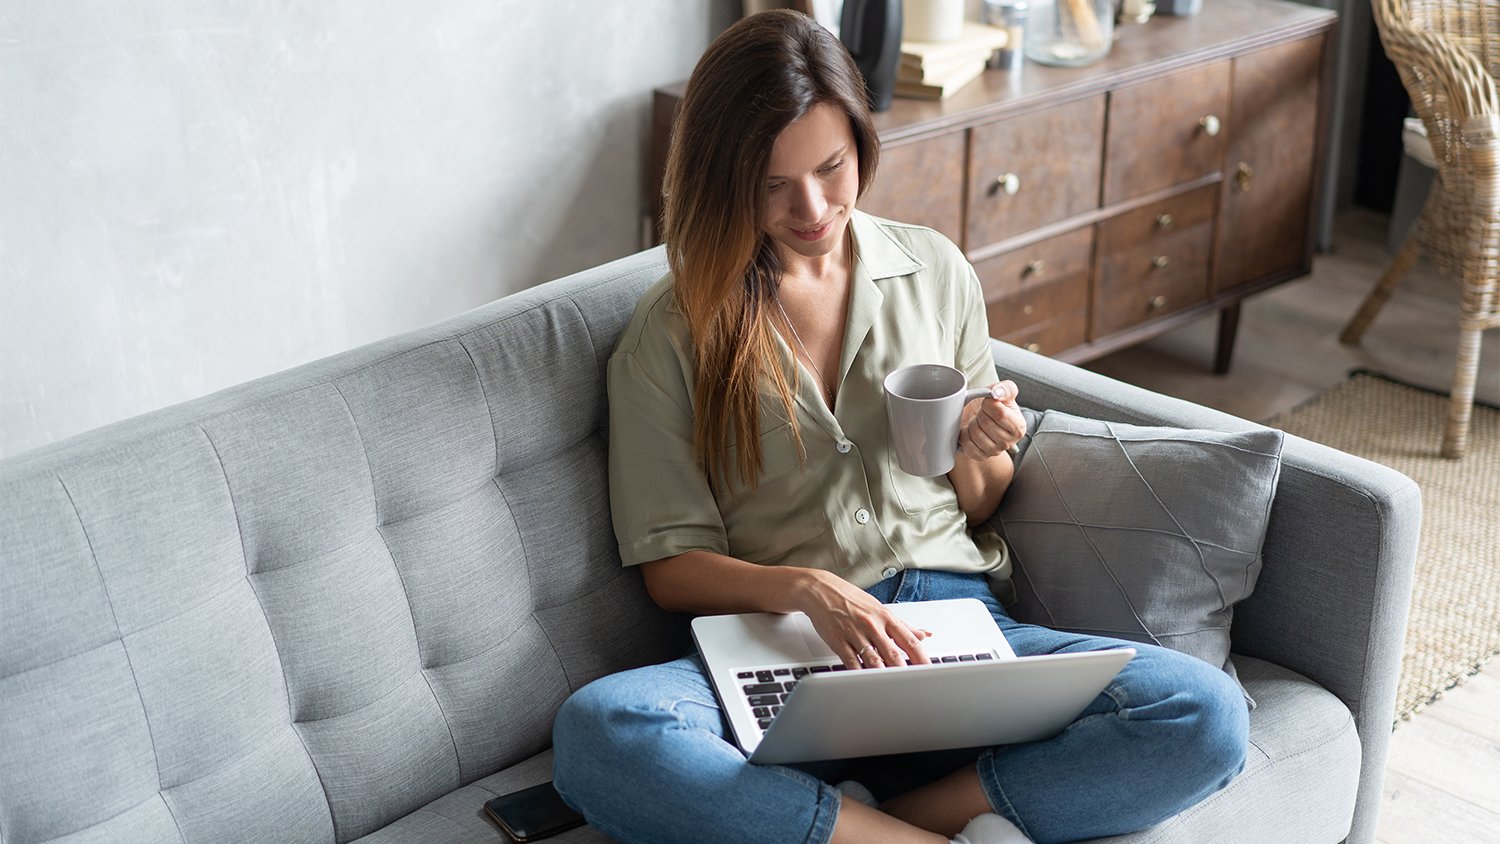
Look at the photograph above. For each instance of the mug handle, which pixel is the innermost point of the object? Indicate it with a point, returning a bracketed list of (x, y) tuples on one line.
[(985, 393), (981, 393)]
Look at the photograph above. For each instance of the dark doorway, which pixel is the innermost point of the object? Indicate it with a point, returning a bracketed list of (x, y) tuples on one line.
[(1385, 106)]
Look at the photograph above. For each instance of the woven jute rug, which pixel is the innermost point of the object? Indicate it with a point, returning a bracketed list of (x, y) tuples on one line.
[(1454, 628)]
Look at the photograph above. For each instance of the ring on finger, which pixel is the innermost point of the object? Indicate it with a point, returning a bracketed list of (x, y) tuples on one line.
[(860, 654)]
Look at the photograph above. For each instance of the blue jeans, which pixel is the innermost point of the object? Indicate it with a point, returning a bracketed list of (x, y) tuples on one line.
[(647, 756)]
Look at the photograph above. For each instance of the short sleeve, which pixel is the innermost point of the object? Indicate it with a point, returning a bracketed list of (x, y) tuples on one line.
[(660, 501), (974, 354)]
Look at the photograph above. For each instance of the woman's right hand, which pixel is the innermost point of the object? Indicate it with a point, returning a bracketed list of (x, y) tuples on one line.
[(863, 632)]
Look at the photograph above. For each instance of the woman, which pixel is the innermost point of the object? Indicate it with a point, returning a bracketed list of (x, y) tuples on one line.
[(751, 470)]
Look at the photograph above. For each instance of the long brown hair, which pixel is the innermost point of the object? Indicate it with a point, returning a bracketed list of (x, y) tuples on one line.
[(755, 79)]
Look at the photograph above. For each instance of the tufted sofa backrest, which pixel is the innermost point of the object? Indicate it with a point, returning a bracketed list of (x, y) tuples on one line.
[(303, 607)]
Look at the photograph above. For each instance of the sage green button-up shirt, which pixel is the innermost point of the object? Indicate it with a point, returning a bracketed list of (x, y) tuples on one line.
[(848, 508)]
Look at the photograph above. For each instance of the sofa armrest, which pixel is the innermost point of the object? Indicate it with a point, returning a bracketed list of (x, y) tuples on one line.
[(1331, 602)]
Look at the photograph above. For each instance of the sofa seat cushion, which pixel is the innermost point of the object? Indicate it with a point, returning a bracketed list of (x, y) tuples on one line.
[(1301, 773), (458, 817), (1298, 784)]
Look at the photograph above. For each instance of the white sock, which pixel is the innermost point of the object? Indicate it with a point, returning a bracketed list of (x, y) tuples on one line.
[(990, 828), (856, 791)]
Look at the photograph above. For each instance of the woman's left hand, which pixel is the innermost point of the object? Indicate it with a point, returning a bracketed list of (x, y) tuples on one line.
[(992, 425)]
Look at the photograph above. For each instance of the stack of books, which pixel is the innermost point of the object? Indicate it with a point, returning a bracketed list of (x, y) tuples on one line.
[(933, 70)]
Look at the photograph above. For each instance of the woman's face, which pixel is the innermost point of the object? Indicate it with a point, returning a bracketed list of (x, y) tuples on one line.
[(812, 182)]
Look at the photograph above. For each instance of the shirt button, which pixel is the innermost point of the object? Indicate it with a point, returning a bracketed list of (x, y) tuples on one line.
[(890, 572), (862, 515), (844, 447)]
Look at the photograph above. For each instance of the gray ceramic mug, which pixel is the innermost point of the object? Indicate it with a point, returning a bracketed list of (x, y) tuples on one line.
[(924, 403)]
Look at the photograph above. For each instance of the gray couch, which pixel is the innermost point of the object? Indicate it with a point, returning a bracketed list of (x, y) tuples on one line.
[(344, 601)]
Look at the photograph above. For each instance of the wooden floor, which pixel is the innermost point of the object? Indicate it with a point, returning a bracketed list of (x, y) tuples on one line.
[(1443, 775)]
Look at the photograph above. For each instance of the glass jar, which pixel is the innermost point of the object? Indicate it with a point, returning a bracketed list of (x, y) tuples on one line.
[(1069, 33), (1009, 15)]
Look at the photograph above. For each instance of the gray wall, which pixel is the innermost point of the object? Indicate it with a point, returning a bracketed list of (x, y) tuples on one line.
[(194, 194), (1350, 60)]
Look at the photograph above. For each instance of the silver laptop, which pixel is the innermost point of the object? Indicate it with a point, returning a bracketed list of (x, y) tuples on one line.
[(789, 699)]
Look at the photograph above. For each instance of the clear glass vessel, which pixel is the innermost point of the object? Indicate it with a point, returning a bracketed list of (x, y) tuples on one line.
[(1069, 33), (1009, 15)]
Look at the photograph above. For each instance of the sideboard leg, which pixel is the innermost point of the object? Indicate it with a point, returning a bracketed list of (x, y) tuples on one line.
[(1229, 325)]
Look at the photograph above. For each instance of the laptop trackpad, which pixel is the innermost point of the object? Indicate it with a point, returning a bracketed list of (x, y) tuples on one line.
[(816, 647)]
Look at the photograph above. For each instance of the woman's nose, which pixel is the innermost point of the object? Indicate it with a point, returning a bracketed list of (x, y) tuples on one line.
[(811, 204)]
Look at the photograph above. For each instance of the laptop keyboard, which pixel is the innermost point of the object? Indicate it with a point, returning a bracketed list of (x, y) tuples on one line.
[(766, 689)]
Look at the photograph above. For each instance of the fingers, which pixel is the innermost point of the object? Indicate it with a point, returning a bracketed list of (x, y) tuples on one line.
[(908, 641), (901, 645), (861, 631), (996, 425), (850, 657), (985, 436)]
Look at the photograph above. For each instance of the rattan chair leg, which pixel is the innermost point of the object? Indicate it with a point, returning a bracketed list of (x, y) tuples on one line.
[(1362, 318), (1461, 406)]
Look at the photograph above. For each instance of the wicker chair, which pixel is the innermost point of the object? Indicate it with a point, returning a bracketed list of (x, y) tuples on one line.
[(1447, 52)]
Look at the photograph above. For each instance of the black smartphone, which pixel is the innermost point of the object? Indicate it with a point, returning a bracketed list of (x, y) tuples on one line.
[(532, 814)]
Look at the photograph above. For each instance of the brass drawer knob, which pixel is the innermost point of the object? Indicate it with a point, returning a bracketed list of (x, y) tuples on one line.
[(1028, 310), (1157, 302), (1210, 124), (1033, 347), (1035, 267), (1165, 221), (1007, 183), (1243, 174), (1160, 261)]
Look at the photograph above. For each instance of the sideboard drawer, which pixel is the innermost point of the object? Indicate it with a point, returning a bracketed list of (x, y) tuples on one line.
[(1023, 309), (1166, 131), (922, 183), (1153, 261), (1145, 227), (1058, 334), (1034, 169), (1026, 287), (1056, 258)]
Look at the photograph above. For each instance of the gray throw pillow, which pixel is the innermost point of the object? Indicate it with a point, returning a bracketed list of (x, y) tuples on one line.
[(1146, 534)]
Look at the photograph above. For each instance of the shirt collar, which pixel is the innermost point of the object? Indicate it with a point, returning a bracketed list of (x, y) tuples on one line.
[(876, 256), (882, 255)]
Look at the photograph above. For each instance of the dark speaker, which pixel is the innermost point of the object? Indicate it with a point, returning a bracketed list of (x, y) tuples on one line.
[(871, 29)]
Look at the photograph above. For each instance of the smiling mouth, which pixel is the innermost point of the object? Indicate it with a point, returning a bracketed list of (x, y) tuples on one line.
[(815, 233)]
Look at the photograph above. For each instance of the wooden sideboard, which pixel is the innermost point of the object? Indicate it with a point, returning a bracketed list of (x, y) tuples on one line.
[(1106, 204)]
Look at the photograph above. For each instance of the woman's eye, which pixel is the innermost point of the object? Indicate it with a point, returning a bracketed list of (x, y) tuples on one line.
[(773, 187), (834, 167)]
